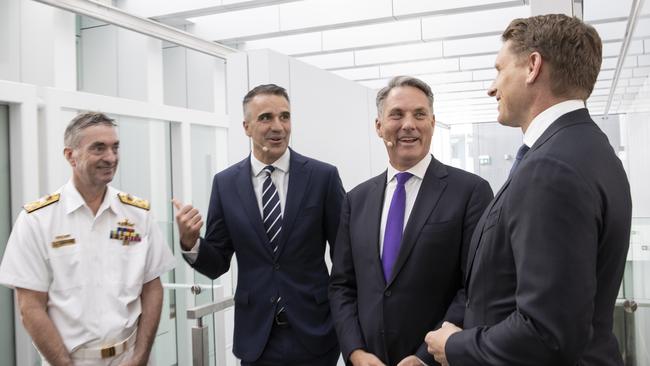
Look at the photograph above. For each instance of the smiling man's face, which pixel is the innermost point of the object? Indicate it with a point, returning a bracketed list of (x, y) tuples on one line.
[(268, 123), (407, 122)]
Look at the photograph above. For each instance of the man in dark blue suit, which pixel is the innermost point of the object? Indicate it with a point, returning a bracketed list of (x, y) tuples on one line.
[(403, 239), (547, 257), (275, 210)]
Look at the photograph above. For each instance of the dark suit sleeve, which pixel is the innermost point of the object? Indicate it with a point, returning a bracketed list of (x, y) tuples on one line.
[(478, 201), (343, 289), (552, 218), (215, 250), (333, 202)]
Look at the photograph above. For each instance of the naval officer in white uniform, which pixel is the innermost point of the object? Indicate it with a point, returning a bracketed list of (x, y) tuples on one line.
[(85, 261)]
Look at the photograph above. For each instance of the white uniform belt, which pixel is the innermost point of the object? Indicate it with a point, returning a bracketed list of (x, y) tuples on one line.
[(106, 352)]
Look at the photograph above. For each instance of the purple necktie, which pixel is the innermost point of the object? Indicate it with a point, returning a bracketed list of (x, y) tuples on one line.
[(394, 225)]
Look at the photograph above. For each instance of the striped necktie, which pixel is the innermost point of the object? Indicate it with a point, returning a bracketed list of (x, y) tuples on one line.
[(271, 210)]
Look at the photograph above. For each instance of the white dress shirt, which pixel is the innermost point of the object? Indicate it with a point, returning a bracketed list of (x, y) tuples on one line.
[(543, 120), (279, 177), (412, 187)]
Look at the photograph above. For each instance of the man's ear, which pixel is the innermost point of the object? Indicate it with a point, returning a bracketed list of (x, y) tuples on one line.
[(68, 154), (534, 64), (378, 127), (246, 125)]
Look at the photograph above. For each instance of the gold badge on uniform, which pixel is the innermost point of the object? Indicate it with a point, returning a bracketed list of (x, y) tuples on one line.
[(62, 240), (125, 232)]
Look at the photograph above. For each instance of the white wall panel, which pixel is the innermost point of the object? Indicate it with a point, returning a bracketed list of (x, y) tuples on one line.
[(9, 40), (99, 60), (174, 76), (330, 121)]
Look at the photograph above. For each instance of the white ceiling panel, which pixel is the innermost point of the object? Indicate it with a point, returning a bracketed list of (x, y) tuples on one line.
[(455, 87), (404, 7), (469, 46), (375, 84), (330, 60), (487, 74), (447, 77), (237, 23), (477, 62), (609, 63), (416, 51), (370, 35), (605, 9), (611, 30), (314, 13), (643, 60), (480, 22), (419, 67), (359, 73), (289, 45)]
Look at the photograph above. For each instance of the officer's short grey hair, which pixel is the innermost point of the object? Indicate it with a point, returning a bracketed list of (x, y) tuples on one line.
[(84, 120), (400, 81)]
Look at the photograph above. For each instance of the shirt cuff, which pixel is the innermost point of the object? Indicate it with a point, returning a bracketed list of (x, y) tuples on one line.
[(192, 254)]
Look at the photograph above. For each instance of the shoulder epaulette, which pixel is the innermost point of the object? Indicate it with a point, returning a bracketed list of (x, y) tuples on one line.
[(45, 201), (127, 199)]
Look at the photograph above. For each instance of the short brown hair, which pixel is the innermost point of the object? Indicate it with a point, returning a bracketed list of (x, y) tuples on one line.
[(401, 81), (571, 47), (82, 121)]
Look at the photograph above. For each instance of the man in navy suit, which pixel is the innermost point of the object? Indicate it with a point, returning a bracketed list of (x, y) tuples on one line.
[(548, 254), (275, 210), (400, 251)]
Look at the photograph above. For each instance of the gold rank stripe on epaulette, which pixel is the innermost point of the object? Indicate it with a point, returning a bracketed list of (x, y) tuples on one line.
[(45, 201), (133, 201)]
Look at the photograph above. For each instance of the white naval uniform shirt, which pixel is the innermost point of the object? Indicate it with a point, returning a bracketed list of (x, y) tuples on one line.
[(93, 284)]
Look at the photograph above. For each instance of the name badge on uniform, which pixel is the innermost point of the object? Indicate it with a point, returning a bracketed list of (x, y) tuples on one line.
[(125, 232), (62, 240)]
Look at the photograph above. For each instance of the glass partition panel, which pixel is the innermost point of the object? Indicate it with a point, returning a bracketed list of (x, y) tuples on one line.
[(6, 296)]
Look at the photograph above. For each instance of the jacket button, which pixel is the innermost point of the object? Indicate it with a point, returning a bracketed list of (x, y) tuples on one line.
[(272, 299), (387, 293), (276, 266)]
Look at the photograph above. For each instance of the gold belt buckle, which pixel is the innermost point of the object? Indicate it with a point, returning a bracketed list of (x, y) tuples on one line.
[(108, 352)]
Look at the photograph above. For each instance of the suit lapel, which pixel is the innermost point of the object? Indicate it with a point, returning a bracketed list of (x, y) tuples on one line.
[(372, 221), (575, 117), (430, 192), (478, 232), (299, 174), (247, 196)]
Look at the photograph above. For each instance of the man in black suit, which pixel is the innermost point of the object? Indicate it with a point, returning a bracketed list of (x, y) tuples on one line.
[(547, 257), (403, 239), (275, 209)]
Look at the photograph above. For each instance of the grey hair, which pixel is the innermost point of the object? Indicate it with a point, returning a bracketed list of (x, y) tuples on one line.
[(264, 89), (71, 137), (401, 81)]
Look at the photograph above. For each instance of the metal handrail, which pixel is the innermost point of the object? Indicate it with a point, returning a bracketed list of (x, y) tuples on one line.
[(200, 336)]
